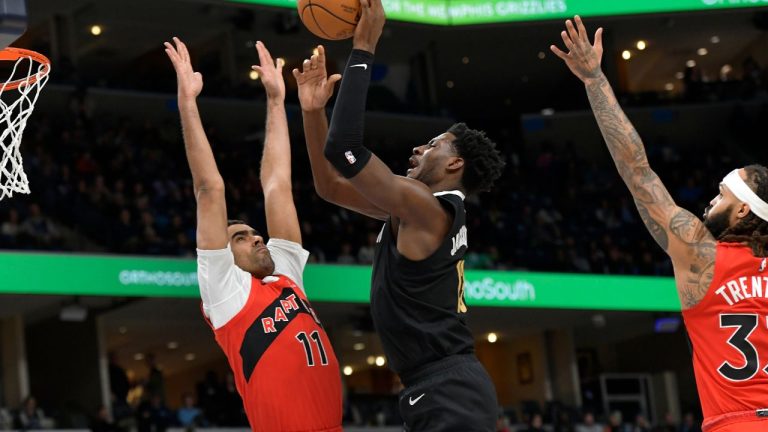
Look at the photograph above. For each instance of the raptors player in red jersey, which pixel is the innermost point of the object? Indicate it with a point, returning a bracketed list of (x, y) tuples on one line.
[(719, 263), (253, 296)]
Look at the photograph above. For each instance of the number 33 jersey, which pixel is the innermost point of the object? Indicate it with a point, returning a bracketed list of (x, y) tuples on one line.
[(729, 333), (285, 368)]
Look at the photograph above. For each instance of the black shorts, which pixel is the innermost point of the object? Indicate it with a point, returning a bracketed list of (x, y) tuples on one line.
[(451, 395)]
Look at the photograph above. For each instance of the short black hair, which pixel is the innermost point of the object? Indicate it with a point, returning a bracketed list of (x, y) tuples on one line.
[(483, 163), (231, 222)]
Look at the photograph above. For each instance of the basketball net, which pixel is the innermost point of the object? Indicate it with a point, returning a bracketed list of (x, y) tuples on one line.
[(18, 95)]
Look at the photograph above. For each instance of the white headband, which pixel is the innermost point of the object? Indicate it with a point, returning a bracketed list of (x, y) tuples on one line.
[(744, 193)]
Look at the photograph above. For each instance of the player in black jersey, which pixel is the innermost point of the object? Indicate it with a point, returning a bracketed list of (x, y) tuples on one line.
[(417, 298)]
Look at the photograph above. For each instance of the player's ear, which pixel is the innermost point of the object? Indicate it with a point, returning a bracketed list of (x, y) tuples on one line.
[(742, 210), (455, 163)]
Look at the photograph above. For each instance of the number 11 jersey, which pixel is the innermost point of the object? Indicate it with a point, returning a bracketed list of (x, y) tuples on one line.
[(729, 334), (285, 369)]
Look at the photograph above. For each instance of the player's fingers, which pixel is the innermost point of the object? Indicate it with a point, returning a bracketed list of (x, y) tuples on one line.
[(264, 58), (320, 57), (558, 52), (279, 63), (333, 79), (572, 31), (258, 70), (171, 55), (181, 48), (175, 46), (365, 4), (296, 73), (566, 40), (305, 66), (313, 62), (599, 39), (267, 54), (171, 51), (582, 30)]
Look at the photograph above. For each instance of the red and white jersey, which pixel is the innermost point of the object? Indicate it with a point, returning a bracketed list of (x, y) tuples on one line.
[(729, 333), (285, 368)]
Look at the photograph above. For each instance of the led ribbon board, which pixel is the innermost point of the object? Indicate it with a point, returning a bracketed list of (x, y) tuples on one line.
[(31, 273), (466, 12)]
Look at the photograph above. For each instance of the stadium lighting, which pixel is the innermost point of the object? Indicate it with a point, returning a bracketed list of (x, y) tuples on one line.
[(725, 71), (253, 75), (492, 338), (465, 60), (690, 63), (641, 45), (626, 54), (138, 356), (173, 345), (380, 361), (702, 51), (449, 84), (669, 86), (189, 356), (370, 360), (542, 55), (715, 39), (358, 346), (679, 75), (280, 62), (96, 30), (348, 370), (315, 51)]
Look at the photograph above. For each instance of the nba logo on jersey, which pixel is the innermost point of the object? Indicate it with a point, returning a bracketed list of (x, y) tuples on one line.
[(762, 265), (350, 157)]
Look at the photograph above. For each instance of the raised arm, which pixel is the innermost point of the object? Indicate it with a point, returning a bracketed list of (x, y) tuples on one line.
[(207, 182), (282, 220), (315, 88), (409, 200), (681, 234)]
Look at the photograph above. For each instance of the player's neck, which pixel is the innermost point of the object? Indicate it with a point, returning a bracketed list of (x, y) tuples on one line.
[(446, 185)]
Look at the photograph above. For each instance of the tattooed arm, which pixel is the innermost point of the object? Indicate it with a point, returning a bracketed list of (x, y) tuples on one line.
[(681, 234)]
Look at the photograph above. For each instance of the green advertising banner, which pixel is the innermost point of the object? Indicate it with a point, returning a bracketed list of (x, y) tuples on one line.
[(464, 12), (22, 273)]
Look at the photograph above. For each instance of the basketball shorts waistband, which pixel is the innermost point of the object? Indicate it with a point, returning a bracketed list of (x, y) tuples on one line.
[(428, 370), (712, 423)]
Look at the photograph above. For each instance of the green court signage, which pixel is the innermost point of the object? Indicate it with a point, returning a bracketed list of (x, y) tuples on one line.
[(464, 12), (31, 273)]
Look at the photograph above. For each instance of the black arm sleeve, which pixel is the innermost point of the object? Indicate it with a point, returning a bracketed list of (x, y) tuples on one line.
[(344, 148)]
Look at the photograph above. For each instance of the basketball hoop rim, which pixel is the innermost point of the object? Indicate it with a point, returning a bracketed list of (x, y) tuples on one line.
[(13, 54)]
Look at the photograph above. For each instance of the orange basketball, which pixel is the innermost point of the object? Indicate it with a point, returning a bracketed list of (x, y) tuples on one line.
[(330, 19)]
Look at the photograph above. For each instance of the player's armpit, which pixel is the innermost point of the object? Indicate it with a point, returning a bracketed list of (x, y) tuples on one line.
[(681, 234), (692, 249)]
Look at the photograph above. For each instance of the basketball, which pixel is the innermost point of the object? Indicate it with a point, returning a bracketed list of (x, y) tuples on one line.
[(330, 19)]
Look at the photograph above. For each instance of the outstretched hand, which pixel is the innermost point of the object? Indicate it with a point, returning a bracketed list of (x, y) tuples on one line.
[(270, 73), (190, 83), (315, 86), (370, 26), (583, 59)]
